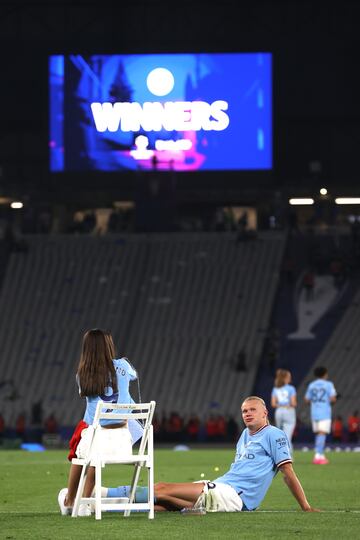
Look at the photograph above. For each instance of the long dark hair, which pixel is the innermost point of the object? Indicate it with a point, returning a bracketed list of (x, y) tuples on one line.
[(96, 369)]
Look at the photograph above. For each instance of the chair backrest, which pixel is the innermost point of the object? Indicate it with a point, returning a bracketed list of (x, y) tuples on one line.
[(120, 412)]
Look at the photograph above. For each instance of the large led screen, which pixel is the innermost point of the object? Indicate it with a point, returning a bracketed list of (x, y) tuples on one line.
[(186, 112)]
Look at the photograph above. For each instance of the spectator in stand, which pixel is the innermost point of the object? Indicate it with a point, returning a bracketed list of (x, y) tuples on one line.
[(164, 428), (51, 424), (175, 427), (37, 413), (354, 427), (20, 427), (272, 347), (242, 226), (232, 430), (355, 234), (220, 428), (192, 428), (219, 220), (293, 221), (240, 364), (337, 429), (114, 221), (2, 427), (211, 428), (289, 270), (336, 269), (156, 427), (309, 284), (229, 217), (89, 222)]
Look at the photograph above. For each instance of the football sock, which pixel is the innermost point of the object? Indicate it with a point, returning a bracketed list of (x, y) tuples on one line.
[(141, 494), (120, 491), (320, 443)]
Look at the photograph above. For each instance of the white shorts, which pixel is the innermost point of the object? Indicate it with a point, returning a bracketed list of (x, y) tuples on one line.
[(219, 498), (321, 425), (108, 443)]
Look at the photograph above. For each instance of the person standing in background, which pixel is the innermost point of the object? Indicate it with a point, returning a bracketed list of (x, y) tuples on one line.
[(337, 429), (283, 400), (354, 427), (320, 394)]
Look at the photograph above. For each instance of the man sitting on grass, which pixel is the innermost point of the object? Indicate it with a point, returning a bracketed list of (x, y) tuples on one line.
[(261, 452)]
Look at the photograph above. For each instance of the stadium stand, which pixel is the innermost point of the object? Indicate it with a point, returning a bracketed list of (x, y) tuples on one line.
[(180, 306), (341, 357)]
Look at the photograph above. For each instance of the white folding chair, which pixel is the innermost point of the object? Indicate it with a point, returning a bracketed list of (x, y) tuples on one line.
[(143, 459)]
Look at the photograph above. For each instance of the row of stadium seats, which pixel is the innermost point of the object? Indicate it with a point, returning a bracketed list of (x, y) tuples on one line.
[(341, 357), (180, 306)]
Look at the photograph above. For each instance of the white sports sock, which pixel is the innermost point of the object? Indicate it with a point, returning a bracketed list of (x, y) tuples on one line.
[(104, 492)]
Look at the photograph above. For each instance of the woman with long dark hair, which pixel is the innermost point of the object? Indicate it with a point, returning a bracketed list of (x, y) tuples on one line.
[(99, 377)]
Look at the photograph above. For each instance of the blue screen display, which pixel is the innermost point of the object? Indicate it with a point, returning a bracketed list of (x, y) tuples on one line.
[(182, 112)]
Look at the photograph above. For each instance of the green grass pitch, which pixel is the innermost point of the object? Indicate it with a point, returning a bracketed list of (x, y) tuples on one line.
[(30, 483)]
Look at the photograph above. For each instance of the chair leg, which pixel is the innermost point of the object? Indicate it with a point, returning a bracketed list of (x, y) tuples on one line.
[(79, 492), (151, 472), (151, 490), (98, 490), (134, 484)]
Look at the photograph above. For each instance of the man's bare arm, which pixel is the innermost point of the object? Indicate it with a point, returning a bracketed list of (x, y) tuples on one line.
[(293, 483)]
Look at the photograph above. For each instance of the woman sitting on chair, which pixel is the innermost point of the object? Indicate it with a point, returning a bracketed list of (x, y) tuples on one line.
[(99, 377)]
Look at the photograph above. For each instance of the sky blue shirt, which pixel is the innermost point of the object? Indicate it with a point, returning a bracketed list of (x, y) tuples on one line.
[(124, 374), (257, 459), (319, 393), (283, 394)]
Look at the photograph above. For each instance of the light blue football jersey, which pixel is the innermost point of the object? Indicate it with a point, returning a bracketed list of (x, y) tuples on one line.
[(283, 394), (257, 459), (124, 374), (319, 393)]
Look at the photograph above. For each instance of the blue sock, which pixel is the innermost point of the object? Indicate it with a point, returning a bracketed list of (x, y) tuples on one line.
[(120, 491), (320, 443), (141, 494)]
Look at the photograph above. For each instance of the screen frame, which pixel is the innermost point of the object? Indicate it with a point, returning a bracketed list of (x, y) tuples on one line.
[(261, 176)]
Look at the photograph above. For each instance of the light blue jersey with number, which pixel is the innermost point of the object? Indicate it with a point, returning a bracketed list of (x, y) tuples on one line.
[(283, 394), (257, 459), (124, 374), (319, 393)]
